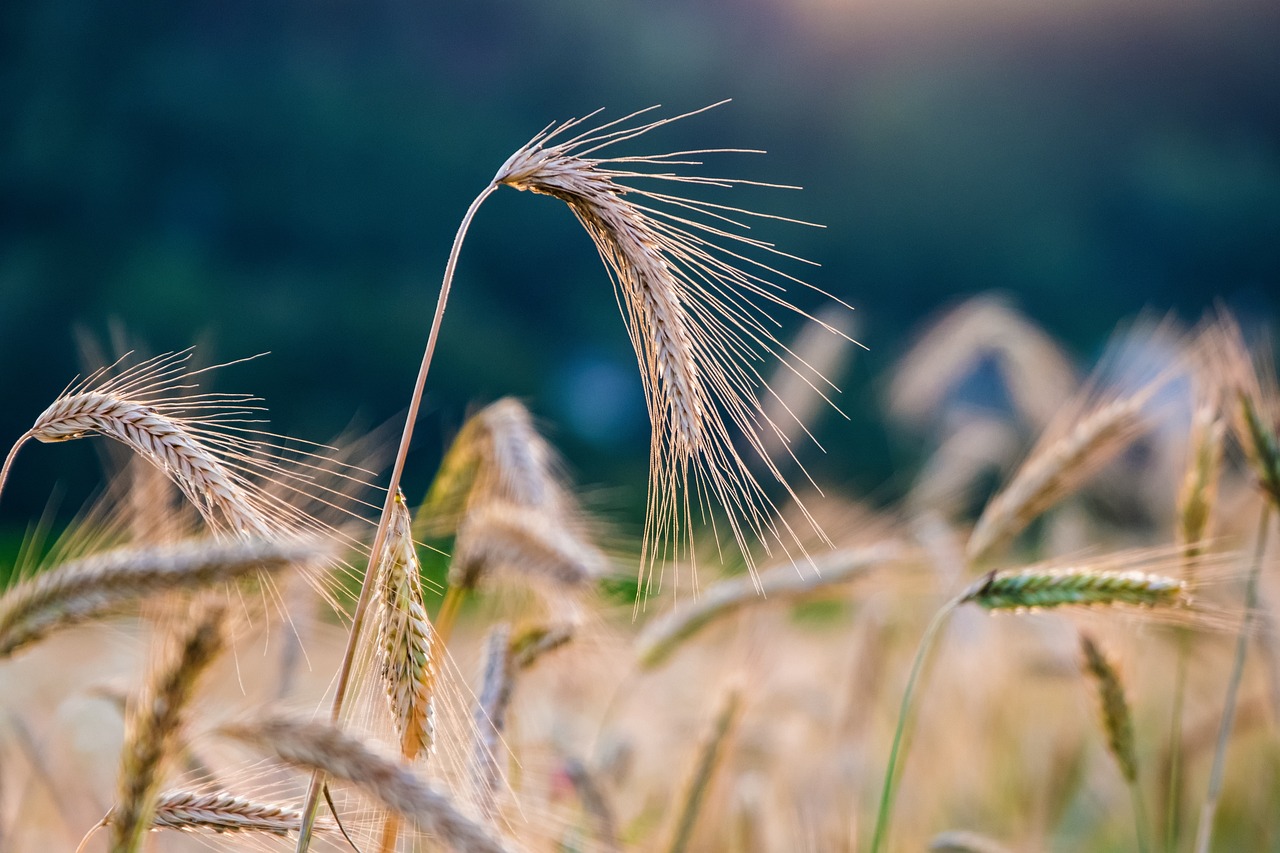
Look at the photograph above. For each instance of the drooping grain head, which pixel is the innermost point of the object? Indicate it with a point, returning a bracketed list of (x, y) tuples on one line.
[(104, 583), (698, 310), (319, 745), (1117, 721)]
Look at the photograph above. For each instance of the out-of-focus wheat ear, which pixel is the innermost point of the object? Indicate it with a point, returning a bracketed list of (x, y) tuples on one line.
[(1252, 398), (1056, 468), (1264, 449), (103, 583), (405, 643), (1196, 499), (320, 746), (781, 582), (1034, 589), (498, 456), (447, 497), (153, 725), (531, 643), (698, 308), (1199, 488), (710, 755), (224, 812), (1117, 724), (503, 536), (491, 719)]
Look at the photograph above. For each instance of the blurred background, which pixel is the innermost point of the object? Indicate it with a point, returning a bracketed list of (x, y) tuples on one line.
[(287, 177)]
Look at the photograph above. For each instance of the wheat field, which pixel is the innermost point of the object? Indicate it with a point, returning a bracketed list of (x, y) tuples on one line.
[(1062, 638)]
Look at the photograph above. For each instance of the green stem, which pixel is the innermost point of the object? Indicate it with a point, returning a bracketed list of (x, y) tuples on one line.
[(1210, 808), (311, 806), (886, 795), (1141, 824), (1173, 801)]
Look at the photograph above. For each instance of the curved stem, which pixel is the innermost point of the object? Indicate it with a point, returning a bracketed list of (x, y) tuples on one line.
[(8, 460), (393, 486), (1208, 811), (886, 795)]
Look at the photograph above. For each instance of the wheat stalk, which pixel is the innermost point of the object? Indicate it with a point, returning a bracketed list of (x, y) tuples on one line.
[(709, 756), (320, 746), (697, 315), (713, 299), (153, 727), (84, 589), (405, 646)]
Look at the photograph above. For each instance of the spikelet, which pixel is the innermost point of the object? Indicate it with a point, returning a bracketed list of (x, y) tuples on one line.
[(405, 644), (103, 583), (154, 725), (224, 812), (319, 746), (699, 318), (1029, 589), (1117, 722)]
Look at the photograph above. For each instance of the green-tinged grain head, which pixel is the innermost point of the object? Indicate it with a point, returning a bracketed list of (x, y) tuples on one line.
[(1199, 489), (1117, 722), (1263, 449), (1033, 589)]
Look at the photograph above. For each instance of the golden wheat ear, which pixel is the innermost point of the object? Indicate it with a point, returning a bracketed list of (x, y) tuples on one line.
[(698, 300), (211, 446)]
